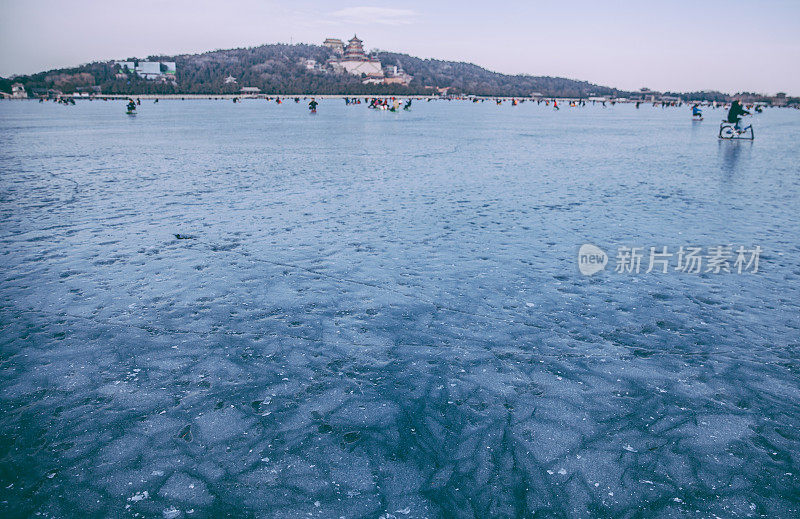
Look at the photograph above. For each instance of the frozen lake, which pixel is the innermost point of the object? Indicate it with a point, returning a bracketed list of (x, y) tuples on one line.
[(372, 313)]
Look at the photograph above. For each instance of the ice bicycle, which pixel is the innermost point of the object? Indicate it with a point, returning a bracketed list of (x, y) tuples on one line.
[(730, 131)]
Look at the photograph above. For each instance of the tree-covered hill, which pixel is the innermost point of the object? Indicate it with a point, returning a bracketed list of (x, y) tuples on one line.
[(280, 69), (472, 79)]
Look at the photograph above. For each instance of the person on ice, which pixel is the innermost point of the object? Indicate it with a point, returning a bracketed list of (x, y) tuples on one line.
[(736, 113)]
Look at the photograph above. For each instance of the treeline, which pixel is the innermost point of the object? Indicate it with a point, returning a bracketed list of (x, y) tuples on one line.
[(701, 96)]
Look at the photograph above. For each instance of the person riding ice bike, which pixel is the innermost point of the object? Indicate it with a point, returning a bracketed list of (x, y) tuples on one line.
[(735, 114), (731, 128)]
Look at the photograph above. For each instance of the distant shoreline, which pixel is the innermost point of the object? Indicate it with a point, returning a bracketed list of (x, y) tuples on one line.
[(179, 97), (264, 97)]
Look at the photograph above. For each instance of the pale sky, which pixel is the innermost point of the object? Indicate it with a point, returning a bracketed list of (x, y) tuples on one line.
[(679, 46)]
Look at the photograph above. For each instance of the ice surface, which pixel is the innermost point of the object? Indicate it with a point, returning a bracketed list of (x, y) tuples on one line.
[(186, 489), (374, 314)]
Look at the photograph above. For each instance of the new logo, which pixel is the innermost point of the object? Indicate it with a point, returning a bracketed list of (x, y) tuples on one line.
[(591, 259)]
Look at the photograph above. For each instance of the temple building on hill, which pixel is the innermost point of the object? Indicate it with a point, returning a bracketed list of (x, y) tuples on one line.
[(397, 76), (335, 44), (355, 61), (355, 50)]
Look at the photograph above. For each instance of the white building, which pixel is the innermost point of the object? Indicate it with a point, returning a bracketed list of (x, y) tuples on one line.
[(229, 80), (149, 69), (370, 68), (18, 91), (397, 75)]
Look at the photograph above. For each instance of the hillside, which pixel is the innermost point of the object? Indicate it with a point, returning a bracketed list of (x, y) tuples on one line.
[(472, 79), (279, 69)]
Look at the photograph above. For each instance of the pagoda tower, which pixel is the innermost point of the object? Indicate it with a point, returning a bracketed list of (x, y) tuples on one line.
[(355, 50)]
